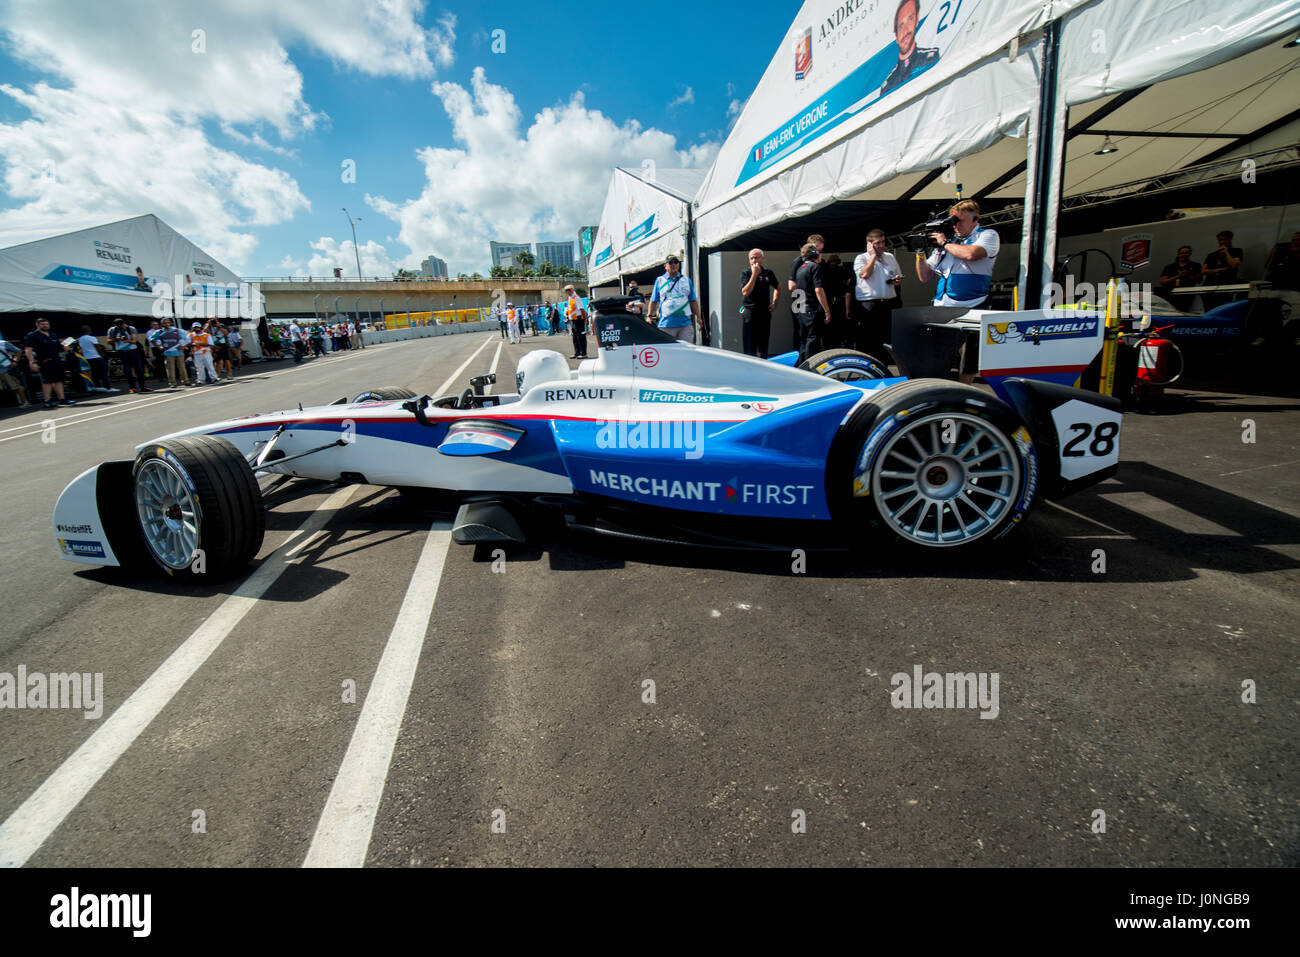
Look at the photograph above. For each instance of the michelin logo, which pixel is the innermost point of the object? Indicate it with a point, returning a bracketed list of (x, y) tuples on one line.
[(70, 546), (1000, 332)]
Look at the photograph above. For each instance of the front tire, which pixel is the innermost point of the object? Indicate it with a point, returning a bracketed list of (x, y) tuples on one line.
[(198, 507), (936, 464), (845, 365), (383, 395)]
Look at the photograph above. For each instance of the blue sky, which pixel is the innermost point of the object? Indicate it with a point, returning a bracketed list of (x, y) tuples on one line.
[(236, 135)]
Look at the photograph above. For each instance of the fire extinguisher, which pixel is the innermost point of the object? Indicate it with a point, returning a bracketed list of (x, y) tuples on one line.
[(1159, 364), (1154, 359)]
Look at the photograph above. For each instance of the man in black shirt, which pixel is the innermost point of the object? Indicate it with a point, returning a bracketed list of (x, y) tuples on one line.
[(1222, 264), (810, 307), (820, 243), (760, 293), (46, 353), (836, 278)]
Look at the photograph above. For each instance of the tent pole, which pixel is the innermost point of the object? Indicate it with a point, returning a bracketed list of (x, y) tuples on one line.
[(1040, 222)]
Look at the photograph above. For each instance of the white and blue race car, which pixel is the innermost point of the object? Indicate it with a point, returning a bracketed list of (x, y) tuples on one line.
[(654, 437)]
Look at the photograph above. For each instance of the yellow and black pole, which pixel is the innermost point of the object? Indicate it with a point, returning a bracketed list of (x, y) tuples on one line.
[(1110, 340)]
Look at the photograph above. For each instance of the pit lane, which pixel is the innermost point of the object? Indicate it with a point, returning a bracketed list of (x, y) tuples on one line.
[(1120, 691)]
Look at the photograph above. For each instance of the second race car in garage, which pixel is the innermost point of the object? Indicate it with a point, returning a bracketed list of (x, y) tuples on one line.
[(671, 441)]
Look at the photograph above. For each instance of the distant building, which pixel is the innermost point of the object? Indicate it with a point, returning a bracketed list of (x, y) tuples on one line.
[(434, 268), (559, 255), (503, 254)]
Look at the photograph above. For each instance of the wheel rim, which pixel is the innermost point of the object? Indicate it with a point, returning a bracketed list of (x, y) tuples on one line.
[(849, 375), (946, 479), (169, 516)]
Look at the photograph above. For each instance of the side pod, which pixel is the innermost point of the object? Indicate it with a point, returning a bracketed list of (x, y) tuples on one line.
[(1075, 432), (94, 519)]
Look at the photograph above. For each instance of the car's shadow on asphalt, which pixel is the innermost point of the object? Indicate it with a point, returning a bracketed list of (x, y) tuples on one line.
[(1148, 525)]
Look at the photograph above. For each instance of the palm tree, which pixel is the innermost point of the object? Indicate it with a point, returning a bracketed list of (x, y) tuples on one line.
[(524, 259)]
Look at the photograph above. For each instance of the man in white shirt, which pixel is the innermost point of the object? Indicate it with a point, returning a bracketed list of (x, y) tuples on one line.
[(871, 307), (964, 266), (299, 341), (98, 364)]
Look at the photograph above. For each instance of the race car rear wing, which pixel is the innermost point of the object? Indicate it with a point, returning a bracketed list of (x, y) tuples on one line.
[(1044, 345)]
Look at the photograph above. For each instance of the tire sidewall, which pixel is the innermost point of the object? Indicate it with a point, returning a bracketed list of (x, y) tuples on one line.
[(827, 365), (891, 417)]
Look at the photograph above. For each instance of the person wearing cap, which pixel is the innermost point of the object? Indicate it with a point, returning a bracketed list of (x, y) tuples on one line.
[(201, 349), (512, 322), (122, 339), (173, 342), (673, 302)]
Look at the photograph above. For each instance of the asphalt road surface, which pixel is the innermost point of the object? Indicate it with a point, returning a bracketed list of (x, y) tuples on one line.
[(502, 713)]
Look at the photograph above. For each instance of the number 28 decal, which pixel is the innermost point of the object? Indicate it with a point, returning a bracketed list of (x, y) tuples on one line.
[(1103, 439), (1088, 437)]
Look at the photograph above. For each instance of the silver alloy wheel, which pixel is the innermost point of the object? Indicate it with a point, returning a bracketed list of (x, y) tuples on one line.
[(169, 516), (942, 493)]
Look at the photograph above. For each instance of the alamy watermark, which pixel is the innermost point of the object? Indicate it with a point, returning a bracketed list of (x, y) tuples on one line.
[(1084, 298), (951, 690), (217, 300), (684, 434), (58, 690)]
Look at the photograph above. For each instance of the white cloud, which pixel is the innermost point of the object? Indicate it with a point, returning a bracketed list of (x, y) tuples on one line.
[(77, 162), (328, 253), (687, 98), (120, 124), (505, 181)]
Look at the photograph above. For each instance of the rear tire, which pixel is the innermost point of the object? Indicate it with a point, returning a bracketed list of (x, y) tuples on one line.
[(198, 507), (383, 395), (934, 464), (845, 365)]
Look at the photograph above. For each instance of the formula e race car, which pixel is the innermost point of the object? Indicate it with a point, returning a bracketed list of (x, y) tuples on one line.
[(653, 438)]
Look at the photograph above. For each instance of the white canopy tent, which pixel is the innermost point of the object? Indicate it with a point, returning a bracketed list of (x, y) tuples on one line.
[(984, 103), (121, 269), (646, 218)]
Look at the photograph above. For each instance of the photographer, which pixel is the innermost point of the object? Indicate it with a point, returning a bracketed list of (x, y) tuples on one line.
[(963, 259)]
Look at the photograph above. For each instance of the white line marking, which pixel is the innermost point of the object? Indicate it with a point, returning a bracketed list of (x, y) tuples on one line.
[(342, 836), (1091, 521), (442, 389), (496, 357), (1256, 468), (37, 818)]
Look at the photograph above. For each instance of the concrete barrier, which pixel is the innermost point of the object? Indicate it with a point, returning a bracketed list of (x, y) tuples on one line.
[(425, 332)]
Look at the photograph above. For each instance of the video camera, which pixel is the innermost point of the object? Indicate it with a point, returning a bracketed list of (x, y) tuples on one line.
[(919, 241)]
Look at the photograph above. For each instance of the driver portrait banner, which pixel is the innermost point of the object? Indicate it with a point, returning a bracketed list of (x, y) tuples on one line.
[(890, 44)]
